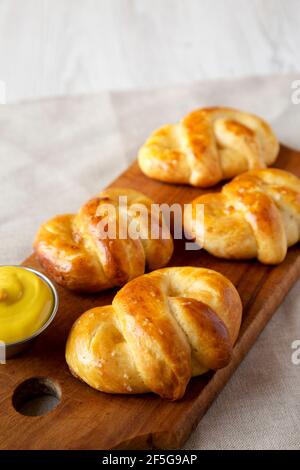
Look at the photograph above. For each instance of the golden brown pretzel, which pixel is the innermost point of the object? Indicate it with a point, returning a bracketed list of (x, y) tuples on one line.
[(255, 215), (161, 329), (76, 255), (208, 145)]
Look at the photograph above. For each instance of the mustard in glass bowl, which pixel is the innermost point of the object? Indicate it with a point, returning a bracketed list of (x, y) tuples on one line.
[(28, 304)]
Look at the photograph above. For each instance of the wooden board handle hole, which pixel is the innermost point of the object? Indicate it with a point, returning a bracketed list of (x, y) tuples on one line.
[(36, 396)]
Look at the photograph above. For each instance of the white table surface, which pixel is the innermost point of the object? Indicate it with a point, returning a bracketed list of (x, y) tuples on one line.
[(58, 47)]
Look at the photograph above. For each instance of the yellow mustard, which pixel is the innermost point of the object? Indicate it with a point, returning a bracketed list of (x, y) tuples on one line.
[(26, 303)]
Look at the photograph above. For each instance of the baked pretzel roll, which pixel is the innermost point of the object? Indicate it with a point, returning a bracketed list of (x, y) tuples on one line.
[(161, 329), (255, 215), (77, 253), (207, 146)]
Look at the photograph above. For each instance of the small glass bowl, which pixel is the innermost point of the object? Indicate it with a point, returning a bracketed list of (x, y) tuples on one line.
[(13, 349)]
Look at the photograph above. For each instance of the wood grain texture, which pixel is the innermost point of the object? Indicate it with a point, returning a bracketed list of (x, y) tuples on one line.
[(86, 419), (56, 47)]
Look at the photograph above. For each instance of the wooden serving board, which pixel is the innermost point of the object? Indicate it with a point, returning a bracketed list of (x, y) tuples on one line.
[(87, 419)]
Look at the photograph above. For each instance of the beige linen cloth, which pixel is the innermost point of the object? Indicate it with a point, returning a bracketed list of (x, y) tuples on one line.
[(55, 154)]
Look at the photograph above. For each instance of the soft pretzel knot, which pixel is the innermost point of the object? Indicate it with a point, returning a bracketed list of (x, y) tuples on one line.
[(161, 329), (255, 215), (77, 253), (208, 145)]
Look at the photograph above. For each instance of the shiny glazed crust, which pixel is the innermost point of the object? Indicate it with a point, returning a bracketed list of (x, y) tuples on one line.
[(75, 254), (161, 329), (207, 146), (255, 215)]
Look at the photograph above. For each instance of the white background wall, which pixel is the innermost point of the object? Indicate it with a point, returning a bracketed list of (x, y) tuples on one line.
[(54, 47)]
